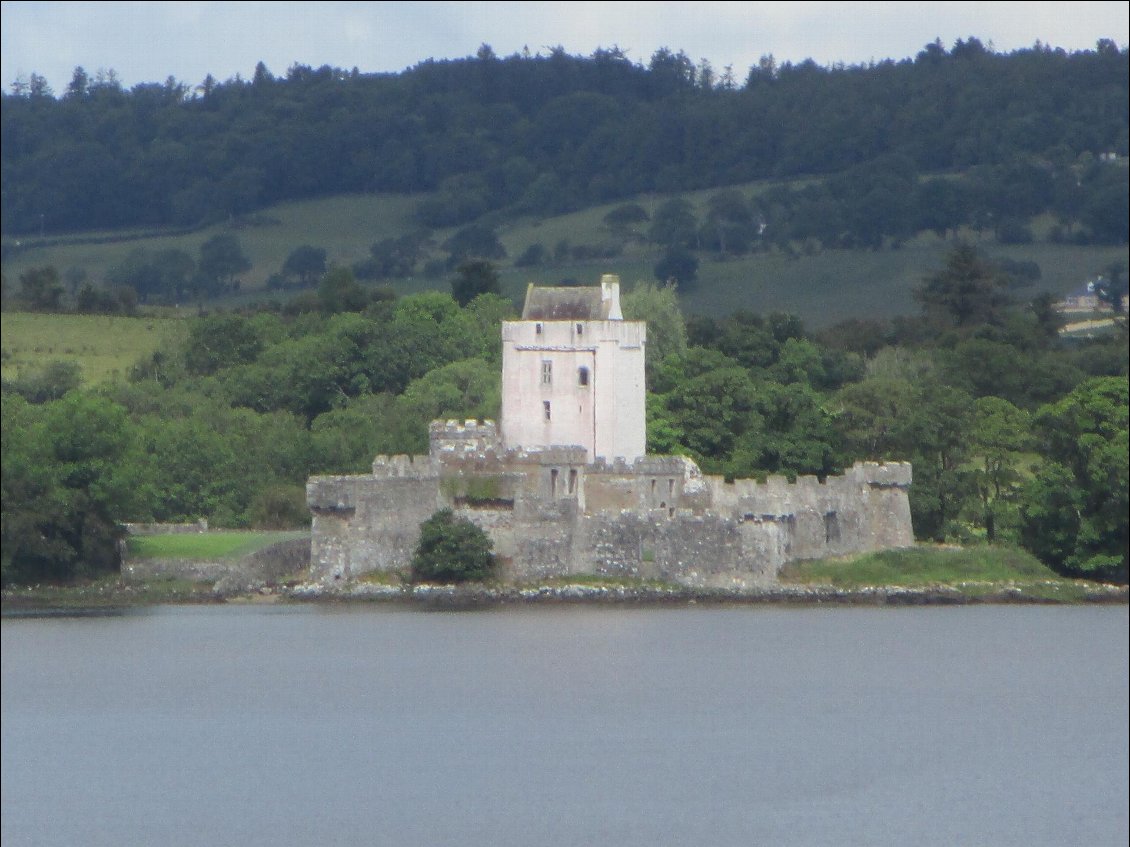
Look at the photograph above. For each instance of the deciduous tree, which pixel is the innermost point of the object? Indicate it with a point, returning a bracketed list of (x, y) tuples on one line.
[(472, 278), (221, 260), (307, 263)]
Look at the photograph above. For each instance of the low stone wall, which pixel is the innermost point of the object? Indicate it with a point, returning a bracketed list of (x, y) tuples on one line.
[(269, 566), (166, 528), (192, 570)]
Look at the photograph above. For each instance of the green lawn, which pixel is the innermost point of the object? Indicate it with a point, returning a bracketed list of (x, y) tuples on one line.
[(921, 566), (206, 545), (106, 347), (974, 571)]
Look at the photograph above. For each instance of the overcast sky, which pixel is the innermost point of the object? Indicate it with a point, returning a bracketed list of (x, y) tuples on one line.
[(150, 41)]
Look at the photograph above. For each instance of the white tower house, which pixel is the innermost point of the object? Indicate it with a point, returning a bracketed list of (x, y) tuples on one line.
[(573, 373)]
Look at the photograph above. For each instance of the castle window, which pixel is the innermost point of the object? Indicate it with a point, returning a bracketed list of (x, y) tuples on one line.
[(582, 376), (831, 528), (537, 328), (580, 329), (553, 482), (545, 408), (572, 481), (547, 373)]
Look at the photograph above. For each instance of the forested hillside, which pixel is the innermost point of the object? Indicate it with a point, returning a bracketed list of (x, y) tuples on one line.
[(1018, 433), (543, 134)]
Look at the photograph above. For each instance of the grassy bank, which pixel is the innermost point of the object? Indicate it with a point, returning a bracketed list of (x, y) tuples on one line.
[(206, 545), (109, 592), (973, 571)]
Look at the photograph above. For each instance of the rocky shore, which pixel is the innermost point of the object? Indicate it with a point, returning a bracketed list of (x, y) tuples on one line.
[(470, 596), (127, 594)]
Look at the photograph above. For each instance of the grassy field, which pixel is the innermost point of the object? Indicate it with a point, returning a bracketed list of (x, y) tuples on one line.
[(821, 288), (106, 347), (205, 545), (345, 226)]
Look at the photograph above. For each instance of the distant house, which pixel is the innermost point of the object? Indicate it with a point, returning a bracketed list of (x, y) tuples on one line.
[(1083, 299)]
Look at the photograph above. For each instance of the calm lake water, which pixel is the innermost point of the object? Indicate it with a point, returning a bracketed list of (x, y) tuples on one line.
[(567, 726)]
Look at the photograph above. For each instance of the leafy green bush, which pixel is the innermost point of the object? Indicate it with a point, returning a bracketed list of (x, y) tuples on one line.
[(452, 549)]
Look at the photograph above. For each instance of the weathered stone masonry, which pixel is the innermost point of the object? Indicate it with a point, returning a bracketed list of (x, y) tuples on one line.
[(551, 514)]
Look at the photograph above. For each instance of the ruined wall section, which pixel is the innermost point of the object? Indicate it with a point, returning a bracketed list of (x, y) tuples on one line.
[(528, 501), (370, 523), (865, 509), (660, 519)]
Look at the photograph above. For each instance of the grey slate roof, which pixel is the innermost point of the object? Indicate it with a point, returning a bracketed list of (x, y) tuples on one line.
[(564, 304)]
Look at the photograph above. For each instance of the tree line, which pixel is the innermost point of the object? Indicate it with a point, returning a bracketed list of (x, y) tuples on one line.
[(544, 134), (1017, 434)]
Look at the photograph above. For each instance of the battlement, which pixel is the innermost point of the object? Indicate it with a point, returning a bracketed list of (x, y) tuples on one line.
[(564, 455), (679, 466), (882, 474), (332, 494), (468, 437), (403, 466), (457, 456)]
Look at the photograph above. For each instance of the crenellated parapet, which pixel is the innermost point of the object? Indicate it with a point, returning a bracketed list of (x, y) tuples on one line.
[(881, 474), (404, 467), (571, 455), (680, 466), (332, 493), (451, 436)]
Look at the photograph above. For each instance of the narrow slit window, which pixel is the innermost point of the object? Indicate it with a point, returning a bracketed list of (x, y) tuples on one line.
[(545, 408), (582, 376), (553, 482), (547, 373), (537, 329), (572, 481), (580, 329)]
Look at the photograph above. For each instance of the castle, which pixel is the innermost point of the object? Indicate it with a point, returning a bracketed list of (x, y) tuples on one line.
[(564, 486)]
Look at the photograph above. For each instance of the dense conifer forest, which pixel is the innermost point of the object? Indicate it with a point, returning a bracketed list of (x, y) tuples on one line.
[(548, 133)]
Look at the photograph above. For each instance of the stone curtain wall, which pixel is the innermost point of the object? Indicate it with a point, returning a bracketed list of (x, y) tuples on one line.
[(550, 514)]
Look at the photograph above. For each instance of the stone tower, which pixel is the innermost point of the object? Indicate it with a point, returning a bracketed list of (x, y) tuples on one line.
[(573, 373)]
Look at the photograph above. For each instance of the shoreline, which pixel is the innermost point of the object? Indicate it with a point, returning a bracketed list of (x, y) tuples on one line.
[(120, 594)]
